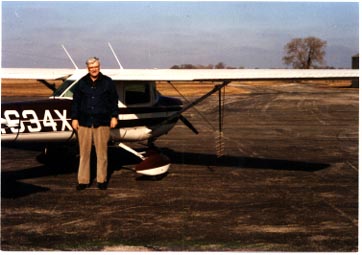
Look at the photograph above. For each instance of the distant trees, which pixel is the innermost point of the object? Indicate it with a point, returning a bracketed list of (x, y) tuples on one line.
[(300, 53), (219, 65), (305, 53)]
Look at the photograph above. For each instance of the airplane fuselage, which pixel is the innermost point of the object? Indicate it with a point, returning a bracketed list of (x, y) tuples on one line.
[(142, 115)]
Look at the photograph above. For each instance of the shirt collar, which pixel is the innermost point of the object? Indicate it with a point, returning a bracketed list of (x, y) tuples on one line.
[(100, 76)]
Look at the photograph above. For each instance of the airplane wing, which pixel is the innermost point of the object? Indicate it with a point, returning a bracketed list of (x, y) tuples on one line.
[(183, 74), (229, 74), (35, 73)]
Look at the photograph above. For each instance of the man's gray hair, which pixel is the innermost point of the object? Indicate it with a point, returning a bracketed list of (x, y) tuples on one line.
[(92, 60)]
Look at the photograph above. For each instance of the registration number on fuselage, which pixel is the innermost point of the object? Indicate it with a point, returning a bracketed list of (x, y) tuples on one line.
[(29, 121)]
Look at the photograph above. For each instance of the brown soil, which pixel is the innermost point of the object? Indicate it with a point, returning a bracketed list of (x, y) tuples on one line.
[(288, 181), (27, 88)]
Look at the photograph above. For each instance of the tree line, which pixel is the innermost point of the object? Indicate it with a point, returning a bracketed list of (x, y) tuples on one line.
[(219, 65), (299, 53)]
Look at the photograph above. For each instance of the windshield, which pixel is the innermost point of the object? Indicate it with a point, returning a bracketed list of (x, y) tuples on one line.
[(137, 94), (62, 88)]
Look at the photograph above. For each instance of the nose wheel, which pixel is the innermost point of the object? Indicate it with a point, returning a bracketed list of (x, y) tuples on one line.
[(153, 162)]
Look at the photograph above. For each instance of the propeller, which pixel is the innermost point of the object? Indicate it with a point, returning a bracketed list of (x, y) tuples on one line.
[(188, 124)]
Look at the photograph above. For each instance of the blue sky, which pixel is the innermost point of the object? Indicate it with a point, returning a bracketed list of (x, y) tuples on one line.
[(162, 34)]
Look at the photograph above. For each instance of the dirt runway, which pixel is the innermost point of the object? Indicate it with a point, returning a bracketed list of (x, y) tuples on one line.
[(288, 181)]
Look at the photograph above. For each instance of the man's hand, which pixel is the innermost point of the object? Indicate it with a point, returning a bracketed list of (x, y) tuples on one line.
[(114, 122), (75, 124)]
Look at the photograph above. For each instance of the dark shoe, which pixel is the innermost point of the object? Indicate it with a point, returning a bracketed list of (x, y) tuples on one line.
[(81, 186), (102, 186)]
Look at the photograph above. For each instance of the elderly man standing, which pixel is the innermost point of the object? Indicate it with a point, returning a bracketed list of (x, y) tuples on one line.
[(94, 112)]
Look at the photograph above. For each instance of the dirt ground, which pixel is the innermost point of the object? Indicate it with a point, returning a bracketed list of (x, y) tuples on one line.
[(288, 181), (32, 88)]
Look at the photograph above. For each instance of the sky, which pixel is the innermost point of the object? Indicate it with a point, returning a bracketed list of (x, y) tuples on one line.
[(162, 34)]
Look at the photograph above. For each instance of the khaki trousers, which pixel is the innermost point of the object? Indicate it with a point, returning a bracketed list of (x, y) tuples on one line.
[(100, 137)]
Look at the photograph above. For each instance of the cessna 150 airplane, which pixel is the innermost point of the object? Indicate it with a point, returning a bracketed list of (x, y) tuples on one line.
[(144, 114)]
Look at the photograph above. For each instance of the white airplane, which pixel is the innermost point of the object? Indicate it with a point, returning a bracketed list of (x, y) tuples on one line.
[(144, 114)]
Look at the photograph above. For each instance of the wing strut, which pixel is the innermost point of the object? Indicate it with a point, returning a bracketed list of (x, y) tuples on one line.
[(183, 118), (199, 100), (219, 135)]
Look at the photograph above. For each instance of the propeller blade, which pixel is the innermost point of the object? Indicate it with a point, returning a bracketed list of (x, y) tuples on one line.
[(188, 124)]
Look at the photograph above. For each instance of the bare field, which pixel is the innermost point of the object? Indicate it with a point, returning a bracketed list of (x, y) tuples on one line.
[(31, 88), (288, 182)]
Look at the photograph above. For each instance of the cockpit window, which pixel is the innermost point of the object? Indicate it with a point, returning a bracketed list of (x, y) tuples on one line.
[(137, 94)]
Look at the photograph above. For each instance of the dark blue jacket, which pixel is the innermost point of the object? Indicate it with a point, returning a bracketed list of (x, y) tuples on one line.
[(94, 103)]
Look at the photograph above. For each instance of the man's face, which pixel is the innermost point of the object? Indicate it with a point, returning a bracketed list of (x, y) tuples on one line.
[(93, 69)]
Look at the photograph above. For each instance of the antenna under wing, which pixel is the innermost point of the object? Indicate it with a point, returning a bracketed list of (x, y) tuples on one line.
[(115, 56), (70, 57)]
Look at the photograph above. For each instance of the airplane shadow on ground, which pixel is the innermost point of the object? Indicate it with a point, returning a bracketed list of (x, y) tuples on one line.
[(58, 163), (242, 162), (13, 187)]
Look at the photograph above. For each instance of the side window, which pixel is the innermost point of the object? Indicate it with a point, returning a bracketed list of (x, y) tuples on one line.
[(66, 89), (137, 94), (69, 92)]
